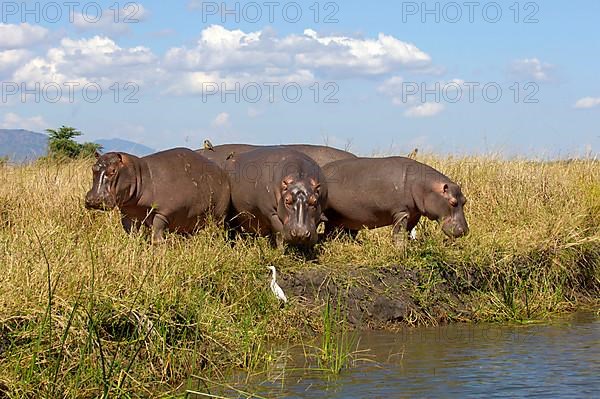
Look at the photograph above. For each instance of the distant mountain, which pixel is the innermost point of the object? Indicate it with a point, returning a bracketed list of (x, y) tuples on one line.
[(121, 145), (21, 145)]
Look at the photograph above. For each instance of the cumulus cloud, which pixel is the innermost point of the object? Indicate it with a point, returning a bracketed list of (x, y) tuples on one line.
[(424, 110), (222, 57), (15, 121), (587, 102), (533, 69), (97, 59), (392, 86), (263, 56), (221, 120), (19, 36), (11, 59)]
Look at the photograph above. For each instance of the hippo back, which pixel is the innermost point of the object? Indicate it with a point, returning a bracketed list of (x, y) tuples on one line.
[(322, 155)]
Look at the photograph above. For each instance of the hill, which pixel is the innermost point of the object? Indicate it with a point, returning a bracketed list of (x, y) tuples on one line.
[(20, 145), (130, 147)]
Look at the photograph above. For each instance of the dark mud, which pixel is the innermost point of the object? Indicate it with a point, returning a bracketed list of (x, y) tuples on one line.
[(377, 298)]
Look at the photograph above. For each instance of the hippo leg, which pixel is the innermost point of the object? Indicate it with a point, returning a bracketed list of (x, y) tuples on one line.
[(130, 225), (159, 225), (277, 229), (399, 229)]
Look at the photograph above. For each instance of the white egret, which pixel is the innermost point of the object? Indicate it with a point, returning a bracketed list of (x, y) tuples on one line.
[(275, 287)]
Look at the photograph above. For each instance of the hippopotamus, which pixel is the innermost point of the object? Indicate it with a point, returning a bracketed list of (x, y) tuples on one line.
[(397, 191), (277, 192), (177, 189), (322, 155)]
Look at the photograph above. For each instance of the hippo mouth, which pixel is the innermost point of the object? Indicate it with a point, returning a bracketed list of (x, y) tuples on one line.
[(300, 237), (101, 205), (453, 229)]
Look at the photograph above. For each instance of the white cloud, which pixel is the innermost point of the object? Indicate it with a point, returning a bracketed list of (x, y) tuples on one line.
[(587, 102), (11, 59), (264, 55), (532, 68), (242, 83), (97, 59), (14, 121), (358, 56), (19, 36), (424, 110), (221, 120), (254, 112), (392, 86)]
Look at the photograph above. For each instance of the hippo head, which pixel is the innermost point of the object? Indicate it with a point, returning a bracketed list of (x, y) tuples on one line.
[(445, 204), (299, 209), (105, 194)]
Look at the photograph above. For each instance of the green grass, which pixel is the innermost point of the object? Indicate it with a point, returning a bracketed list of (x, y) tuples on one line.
[(88, 311)]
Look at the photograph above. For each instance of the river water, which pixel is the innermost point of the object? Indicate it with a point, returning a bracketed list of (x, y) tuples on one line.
[(555, 360)]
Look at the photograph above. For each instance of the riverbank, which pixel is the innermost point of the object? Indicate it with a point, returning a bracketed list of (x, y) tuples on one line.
[(86, 310)]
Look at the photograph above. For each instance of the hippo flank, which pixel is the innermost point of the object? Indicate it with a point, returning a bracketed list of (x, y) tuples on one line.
[(177, 189), (397, 191), (279, 192)]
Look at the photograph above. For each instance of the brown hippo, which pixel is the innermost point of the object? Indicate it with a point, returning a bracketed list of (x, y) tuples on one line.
[(397, 191), (322, 155), (177, 189), (279, 192)]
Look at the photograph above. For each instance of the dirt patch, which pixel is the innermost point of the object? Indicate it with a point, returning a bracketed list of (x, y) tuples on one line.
[(377, 297)]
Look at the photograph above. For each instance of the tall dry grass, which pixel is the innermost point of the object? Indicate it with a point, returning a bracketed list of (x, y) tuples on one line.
[(87, 311)]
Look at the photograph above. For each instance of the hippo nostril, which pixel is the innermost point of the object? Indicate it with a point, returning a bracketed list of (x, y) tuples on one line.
[(293, 233), (307, 234)]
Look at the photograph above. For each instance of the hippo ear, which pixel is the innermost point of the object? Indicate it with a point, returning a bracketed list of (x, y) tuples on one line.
[(96, 154), (122, 159), (324, 218), (451, 200)]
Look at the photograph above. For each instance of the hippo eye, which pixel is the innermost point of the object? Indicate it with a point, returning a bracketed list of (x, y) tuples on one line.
[(288, 200), (312, 201)]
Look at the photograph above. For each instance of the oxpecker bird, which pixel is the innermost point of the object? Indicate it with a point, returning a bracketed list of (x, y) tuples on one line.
[(208, 145)]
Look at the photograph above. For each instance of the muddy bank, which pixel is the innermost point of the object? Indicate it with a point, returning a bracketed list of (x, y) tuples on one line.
[(380, 297)]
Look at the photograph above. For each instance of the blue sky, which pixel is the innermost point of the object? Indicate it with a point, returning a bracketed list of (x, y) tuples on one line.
[(373, 60)]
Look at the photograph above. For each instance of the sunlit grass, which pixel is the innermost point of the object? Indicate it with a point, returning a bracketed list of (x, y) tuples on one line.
[(88, 311)]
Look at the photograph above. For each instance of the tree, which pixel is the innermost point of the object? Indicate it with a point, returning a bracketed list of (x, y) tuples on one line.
[(89, 149), (62, 144)]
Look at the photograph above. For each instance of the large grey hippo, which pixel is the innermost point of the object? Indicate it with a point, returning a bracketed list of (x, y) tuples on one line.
[(279, 192), (177, 189), (322, 155), (396, 191)]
